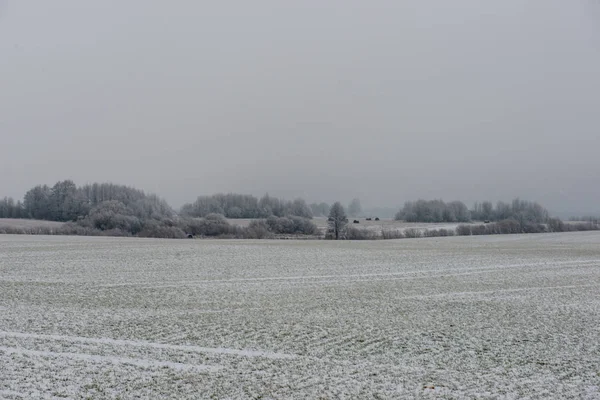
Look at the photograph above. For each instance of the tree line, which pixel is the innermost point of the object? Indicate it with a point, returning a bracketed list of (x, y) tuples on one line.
[(11, 209), (456, 211), (233, 205), (433, 211), (119, 210)]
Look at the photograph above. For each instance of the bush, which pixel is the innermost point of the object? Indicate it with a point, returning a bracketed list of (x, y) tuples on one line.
[(479, 230), (391, 234), (258, 229), (446, 232), (507, 226), (582, 226), (352, 233), (531, 227), (556, 225), (291, 225), (412, 233), (438, 232), (154, 229), (211, 225), (431, 233), (463, 230)]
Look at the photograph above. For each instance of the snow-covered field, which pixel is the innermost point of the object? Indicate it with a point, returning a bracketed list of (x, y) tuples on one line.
[(28, 223), (502, 317)]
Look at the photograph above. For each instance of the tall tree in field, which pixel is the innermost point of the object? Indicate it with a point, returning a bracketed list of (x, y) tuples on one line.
[(354, 208), (337, 220)]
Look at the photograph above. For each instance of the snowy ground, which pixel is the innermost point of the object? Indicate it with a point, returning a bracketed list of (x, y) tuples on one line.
[(28, 223), (499, 317)]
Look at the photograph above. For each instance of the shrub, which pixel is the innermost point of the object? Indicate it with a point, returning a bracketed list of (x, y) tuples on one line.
[(479, 230), (463, 230), (391, 234), (438, 232), (508, 226), (531, 227), (154, 229), (582, 226), (352, 233), (556, 225), (211, 225), (446, 232), (291, 225), (258, 229), (412, 233)]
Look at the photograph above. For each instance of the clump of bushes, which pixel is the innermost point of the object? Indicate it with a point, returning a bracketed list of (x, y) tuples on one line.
[(291, 225), (352, 233), (438, 232), (258, 229), (69, 228), (412, 233), (581, 226), (391, 234), (511, 226), (213, 225)]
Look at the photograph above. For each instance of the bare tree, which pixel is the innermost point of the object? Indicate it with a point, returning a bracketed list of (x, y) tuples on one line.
[(337, 220)]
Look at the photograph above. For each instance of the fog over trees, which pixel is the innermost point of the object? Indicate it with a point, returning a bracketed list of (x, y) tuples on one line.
[(457, 211), (10, 209), (319, 209), (433, 211), (119, 210), (354, 208), (382, 100), (234, 205)]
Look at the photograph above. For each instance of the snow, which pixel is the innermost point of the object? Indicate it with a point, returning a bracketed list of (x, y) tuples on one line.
[(116, 360), (135, 343), (505, 317)]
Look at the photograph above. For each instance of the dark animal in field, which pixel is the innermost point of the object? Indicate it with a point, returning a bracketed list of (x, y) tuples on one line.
[(376, 218), (369, 219), (487, 221), (356, 221)]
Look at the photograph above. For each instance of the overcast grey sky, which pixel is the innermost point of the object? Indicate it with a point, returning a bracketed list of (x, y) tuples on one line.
[(383, 100)]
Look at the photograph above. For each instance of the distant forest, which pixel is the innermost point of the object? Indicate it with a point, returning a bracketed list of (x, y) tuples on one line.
[(457, 211), (118, 210)]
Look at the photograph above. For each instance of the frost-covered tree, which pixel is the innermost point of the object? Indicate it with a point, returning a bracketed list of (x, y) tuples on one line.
[(36, 203), (337, 220), (299, 208), (10, 209), (433, 211)]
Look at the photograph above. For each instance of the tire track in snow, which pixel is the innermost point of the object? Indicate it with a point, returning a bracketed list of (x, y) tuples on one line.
[(497, 291), (144, 363), (420, 274), (140, 343)]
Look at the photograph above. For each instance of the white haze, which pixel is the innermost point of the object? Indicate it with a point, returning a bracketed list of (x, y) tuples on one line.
[(384, 100)]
